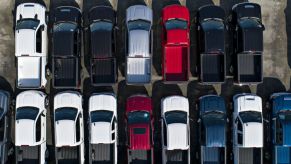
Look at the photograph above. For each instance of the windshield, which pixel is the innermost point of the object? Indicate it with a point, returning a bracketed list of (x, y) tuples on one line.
[(27, 24), (66, 113), (101, 26), (29, 113), (285, 116), (176, 117), (212, 118), (138, 117), (212, 25), (176, 24), (139, 25), (65, 26), (250, 116), (250, 23), (101, 116)]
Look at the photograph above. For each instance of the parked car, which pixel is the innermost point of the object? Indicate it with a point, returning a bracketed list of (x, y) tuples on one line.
[(30, 128), (69, 128), (31, 45), (66, 46), (213, 129), (139, 130), (247, 27), (248, 139), (102, 128), (175, 130), (6, 147), (281, 127), (138, 41), (211, 43), (175, 43), (100, 35)]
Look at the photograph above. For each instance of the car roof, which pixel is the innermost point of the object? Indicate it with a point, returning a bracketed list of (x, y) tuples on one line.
[(177, 136), (139, 137), (101, 13)]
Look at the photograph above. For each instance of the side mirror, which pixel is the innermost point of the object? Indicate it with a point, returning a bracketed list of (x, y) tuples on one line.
[(42, 27)]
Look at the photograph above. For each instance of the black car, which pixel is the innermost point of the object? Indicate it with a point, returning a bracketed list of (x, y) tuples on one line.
[(247, 28), (100, 42), (211, 43), (66, 46)]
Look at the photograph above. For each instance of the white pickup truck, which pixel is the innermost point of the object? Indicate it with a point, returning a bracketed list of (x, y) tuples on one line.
[(175, 130), (31, 45), (30, 128), (69, 128), (247, 129)]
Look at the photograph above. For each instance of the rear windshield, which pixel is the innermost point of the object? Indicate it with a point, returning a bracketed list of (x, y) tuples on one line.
[(66, 113), (101, 116), (29, 113), (251, 116), (176, 117), (101, 26), (138, 117), (176, 24), (27, 24), (139, 25)]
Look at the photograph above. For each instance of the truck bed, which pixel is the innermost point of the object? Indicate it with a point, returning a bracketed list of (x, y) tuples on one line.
[(102, 153), (212, 68), (103, 71), (250, 155), (67, 155), (66, 72), (213, 155), (282, 154), (138, 70), (176, 63), (28, 154), (140, 156), (29, 72), (249, 68), (177, 156)]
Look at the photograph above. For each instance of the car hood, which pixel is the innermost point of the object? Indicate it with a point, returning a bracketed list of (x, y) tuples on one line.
[(25, 42), (68, 99), (178, 103), (139, 12), (139, 103), (65, 133), (253, 134), (177, 137), (175, 11), (139, 43), (24, 132), (249, 103), (102, 102), (177, 37), (139, 137), (100, 133)]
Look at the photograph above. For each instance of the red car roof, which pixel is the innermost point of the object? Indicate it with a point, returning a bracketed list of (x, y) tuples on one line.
[(175, 11)]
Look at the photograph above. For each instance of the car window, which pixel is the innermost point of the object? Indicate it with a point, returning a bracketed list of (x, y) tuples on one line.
[(27, 24), (212, 25), (66, 113), (176, 117), (212, 118), (101, 116), (250, 116), (138, 117), (65, 27), (26, 113), (101, 25), (176, 24), (139, 25)]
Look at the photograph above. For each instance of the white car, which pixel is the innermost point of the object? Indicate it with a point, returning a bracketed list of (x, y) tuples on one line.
[(30, 127), (102, 128), (69, 127), (175, 129), (247, 129), (31, 45)]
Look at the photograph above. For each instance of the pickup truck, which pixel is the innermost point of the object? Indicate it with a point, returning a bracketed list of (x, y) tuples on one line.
[(213, 129), (30, 128), (211, 44), (31, 45), (66, 46), (246, 24), (6, 147), (102, 128), (138, 41), (100, 35), (175, 43), (69, 128), (281, 127), (175, 130), (139, 130), (247, 130)]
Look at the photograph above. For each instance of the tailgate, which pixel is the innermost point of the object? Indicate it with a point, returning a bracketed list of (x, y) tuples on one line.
[(138, 70), (249, 68), (102, 153), (212, 68), (176, 63), (29, 72), (282, 154), (66, 72), (103, 71), (250, 155), (67, 155)]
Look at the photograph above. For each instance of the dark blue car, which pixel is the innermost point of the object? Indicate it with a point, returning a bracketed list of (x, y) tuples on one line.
[(213, 126), (281, 128)]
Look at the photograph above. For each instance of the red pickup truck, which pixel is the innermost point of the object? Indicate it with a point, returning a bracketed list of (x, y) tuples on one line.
[(139, 129), (176, 43)]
